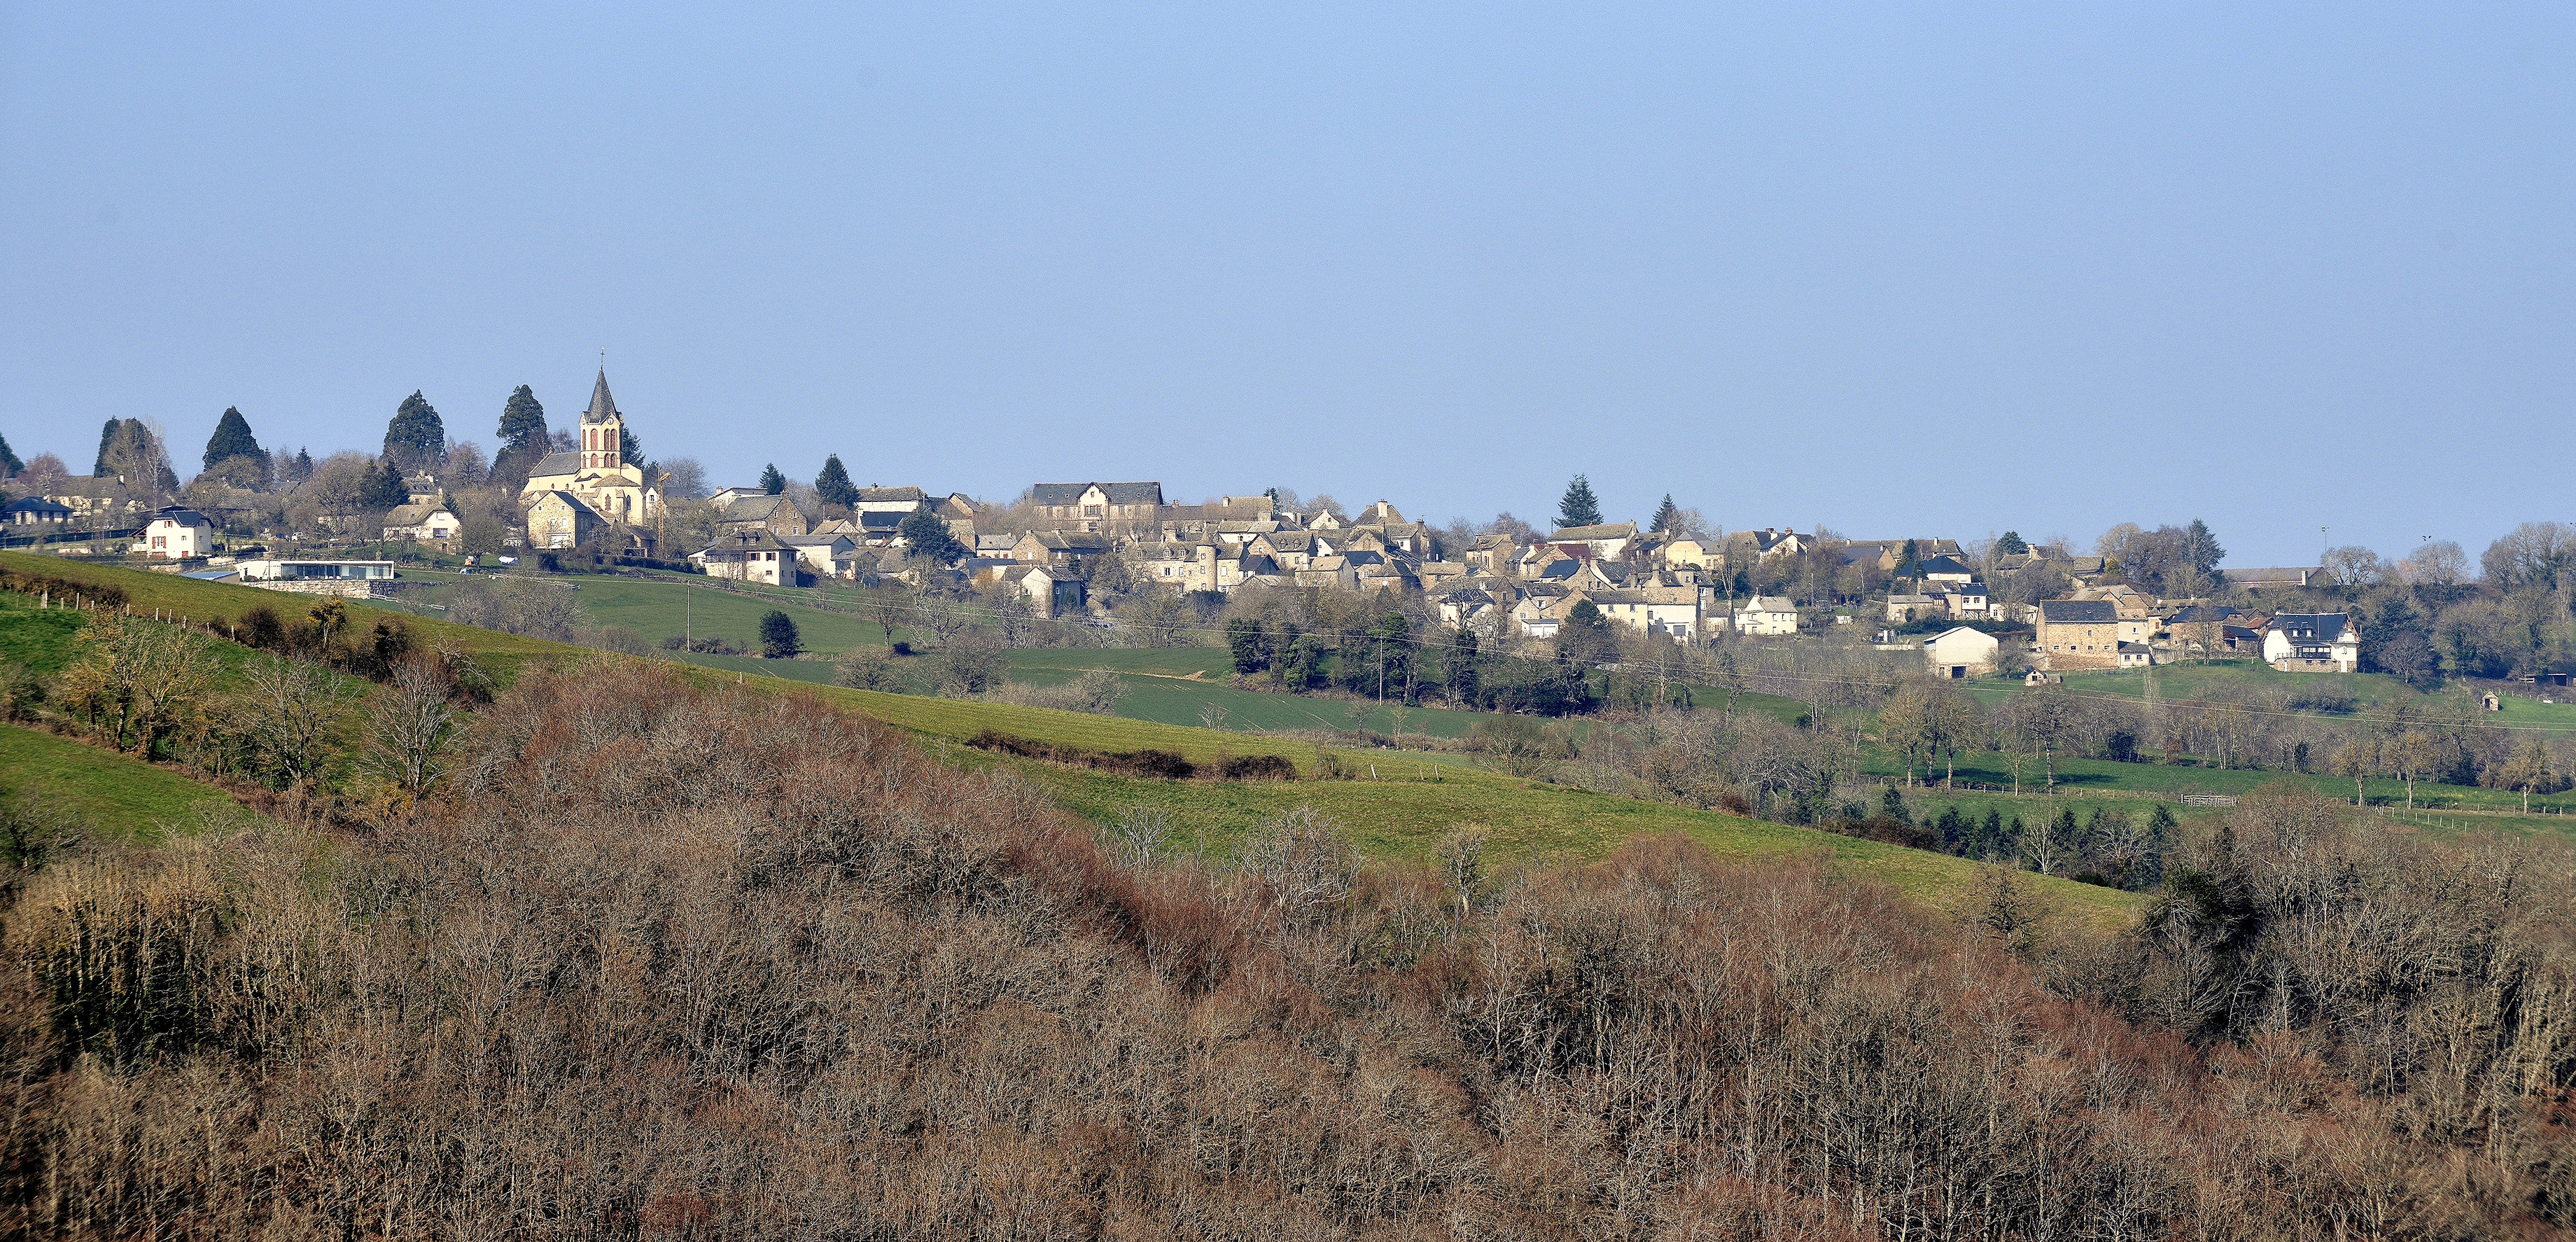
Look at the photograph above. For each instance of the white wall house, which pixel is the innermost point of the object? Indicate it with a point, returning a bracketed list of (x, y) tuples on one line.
[(2312, 643), (1767, 614), (176, 534), (1959, 652)]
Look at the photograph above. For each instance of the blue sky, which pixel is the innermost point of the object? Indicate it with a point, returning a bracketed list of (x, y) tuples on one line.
[(1897, 270)]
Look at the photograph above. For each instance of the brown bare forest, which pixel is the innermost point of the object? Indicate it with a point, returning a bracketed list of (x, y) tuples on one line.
[(668, 963)]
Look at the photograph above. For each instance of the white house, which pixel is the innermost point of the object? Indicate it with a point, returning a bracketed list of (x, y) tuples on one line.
[(749, 556), (176, 534), (831, 556), (1959, 652), (2312, 643), (1767, 614), (1671, 614), (427, 523)]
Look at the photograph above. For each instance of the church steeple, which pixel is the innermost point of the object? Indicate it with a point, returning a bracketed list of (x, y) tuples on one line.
[(602, 429)]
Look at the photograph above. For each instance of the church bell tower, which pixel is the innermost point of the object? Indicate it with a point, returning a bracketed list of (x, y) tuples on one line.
[(602, 429)]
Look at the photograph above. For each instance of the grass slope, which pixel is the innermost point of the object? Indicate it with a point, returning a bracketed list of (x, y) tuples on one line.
[(115, 794), (1402, 815)]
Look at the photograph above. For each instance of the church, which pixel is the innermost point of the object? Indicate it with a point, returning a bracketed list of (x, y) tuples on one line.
[(571, 496)]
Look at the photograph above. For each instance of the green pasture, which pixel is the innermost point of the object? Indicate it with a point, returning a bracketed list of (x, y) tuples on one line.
[(118, 795)]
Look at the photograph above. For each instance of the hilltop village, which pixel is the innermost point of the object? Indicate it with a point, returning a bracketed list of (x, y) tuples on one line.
[(1109, 561)]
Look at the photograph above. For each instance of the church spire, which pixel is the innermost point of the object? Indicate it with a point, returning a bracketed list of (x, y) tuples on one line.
[(602, 406)]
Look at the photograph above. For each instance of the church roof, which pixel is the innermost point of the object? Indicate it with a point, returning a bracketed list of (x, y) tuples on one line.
[(556, 463), (602, 406)]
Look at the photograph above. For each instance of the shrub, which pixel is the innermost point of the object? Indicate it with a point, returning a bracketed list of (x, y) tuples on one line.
[(778, 637)]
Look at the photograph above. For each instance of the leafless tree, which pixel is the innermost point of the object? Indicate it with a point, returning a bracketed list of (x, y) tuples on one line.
[(410, 725), (290, 710)]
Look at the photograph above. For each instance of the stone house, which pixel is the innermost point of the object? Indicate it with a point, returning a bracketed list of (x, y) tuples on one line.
[(1064, 550), (561, 520), (2079, 633), (1051, 594), (758, 512), (1096, 506)]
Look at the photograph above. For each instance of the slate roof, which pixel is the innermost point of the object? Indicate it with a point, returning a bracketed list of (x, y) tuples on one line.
[(2203, 614), (38, 504), (1943, 565), (556, 463), (2078, 611), (1147, 493), (892, 494), (411, 515), (1605, 530), (753, 508), (602, 406), (183, 516), (2321, 627)]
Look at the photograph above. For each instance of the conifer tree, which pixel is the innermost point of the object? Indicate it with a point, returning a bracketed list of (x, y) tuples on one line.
[(106, 443), (416, 438), (523, 425), (2012, 543), (303, 467), (1579, 507), (233, 439), (385, 488), (1668, 516), (833, 484), (9, 463), (772, 482)]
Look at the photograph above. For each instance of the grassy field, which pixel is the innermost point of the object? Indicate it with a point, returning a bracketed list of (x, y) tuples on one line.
[(121, 797), (675, 607)]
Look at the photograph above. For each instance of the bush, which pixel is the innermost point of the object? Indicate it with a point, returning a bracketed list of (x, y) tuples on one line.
[(621, 640), (864, 668), (1096, 693), (778, 637)]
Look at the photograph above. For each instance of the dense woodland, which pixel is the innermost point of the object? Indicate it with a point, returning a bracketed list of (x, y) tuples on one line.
[(670, 964)]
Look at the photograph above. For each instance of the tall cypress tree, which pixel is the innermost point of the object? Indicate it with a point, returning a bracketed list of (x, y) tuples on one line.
[(1668, 517), (416, 438), (9, 462), (233, 439), (1579, 507), (772, 482), (833, 484), (523, 425), (106, 442)]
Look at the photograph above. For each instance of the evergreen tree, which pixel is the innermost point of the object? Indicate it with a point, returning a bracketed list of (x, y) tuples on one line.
[(233, 439), (1668, 516), (9, 463), (630, 450), (778, 637), (2012, 543), (924, 534), (127, 449), (523, 425), (1579, 507), (2200, 547), (1583, 639), (772, 482), (385, 488), (833, 484), (303, 467), (1458, 666), (416, 438), (1248, 641), (1910, 561)]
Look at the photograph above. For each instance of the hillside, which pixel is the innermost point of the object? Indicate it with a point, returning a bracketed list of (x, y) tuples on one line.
[(1399, 811)]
